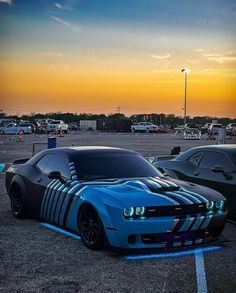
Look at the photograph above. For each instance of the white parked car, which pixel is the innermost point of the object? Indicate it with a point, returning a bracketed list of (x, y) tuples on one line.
[(57, 126), (231, 129), (13, 128), (179, 128), (192, 133), (214, 128), (144, 126)]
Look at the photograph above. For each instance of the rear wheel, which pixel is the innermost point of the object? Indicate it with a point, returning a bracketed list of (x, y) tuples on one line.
[(91, 228), (17, 202)]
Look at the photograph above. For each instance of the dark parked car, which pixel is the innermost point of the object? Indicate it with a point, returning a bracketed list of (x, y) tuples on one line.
[(212, 166)]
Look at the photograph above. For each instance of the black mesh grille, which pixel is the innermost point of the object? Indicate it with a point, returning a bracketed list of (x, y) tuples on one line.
[(179, 210)]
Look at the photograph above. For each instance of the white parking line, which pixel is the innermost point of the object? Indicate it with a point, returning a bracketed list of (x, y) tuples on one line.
[(200, 271)]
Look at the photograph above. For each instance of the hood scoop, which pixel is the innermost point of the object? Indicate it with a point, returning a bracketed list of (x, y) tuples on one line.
[(156, 185)]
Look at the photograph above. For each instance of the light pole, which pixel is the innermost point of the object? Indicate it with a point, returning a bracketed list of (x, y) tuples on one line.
[(185, 71)]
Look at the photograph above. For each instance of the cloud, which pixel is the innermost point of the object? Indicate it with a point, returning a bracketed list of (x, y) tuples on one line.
[(58, 5), (161, 57), (65, 23), (200, 50), (67, 5), (6, 1), (221, 57), (51, 53), (214, 71)]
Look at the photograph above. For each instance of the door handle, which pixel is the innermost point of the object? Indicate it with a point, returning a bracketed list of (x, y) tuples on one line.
[(196, 173), (39, 180)]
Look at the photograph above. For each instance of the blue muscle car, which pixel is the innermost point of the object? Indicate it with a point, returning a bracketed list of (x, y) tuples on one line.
[(114, 197)]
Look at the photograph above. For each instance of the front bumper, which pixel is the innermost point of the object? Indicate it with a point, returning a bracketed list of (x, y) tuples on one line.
[(166, 232)]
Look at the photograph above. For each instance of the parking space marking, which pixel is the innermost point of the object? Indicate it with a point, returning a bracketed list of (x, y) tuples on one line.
[(200, 272), (59, 230)]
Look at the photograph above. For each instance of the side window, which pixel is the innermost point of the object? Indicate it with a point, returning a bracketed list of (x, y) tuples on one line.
[(58, 163), (211, 159), (196, 158), (41, 164), (51, 163)]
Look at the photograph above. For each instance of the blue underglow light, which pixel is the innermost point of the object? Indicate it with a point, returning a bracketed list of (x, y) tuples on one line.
[(173, 254), (59, 230), (2, 167)]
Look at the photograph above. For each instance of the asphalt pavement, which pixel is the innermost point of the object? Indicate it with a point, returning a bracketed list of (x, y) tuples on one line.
[(34, 258)]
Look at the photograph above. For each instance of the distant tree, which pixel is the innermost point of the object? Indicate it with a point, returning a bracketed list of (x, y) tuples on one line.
[(117, 116)]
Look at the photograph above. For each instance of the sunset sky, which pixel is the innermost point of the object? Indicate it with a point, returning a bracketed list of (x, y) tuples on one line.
[(94, 55)]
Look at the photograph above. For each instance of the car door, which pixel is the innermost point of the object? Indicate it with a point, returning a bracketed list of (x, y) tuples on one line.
[(204, 175), (10, 128), (40, 182), (56, 197)]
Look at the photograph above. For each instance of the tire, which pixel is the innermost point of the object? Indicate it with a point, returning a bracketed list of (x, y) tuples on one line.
[(91, 228), (17, 202)]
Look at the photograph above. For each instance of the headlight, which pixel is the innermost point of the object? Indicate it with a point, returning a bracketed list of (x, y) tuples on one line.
[(210, 205), (129, 212), (134, 212), (220, 204), (139, 211)]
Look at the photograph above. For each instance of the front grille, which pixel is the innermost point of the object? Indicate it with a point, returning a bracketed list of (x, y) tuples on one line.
[(180, 210), (180, 238)]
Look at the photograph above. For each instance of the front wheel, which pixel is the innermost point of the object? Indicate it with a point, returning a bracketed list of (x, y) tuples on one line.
[(17, 202), (91, 228)]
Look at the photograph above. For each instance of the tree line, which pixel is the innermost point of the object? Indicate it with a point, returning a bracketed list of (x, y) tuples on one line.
[(158, 119)]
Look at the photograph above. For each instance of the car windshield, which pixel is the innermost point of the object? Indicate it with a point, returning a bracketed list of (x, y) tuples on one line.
[(111, 166)]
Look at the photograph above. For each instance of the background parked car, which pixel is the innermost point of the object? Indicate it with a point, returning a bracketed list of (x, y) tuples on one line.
[(214, 128), (143, 126), (73, 126), (212, 166), (13, 128), (57, 126), (205, 128), (231, 129), (192, 133)]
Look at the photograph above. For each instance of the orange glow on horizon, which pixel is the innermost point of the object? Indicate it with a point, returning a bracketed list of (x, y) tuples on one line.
[(27, 87)]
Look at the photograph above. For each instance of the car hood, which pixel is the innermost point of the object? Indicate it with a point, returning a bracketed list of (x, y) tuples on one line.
[(153, 191)]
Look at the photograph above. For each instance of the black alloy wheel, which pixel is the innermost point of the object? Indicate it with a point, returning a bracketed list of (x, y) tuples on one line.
[(17, 204), (91, 228)]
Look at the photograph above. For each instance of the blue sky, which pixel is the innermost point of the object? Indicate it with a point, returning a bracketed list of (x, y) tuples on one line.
[(148, 39)]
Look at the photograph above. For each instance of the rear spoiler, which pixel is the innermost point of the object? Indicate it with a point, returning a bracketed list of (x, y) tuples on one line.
[(21, 161)]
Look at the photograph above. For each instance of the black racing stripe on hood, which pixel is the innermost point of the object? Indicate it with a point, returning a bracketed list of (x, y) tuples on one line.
[(155, 186)]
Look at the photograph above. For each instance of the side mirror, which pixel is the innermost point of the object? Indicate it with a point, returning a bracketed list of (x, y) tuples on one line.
[(217, 169), (220, 169), (56, 175)]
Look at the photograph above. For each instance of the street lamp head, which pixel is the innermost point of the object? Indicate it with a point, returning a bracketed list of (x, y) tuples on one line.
[(185, 70)]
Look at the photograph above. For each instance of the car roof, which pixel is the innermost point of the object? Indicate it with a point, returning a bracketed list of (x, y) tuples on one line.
[(91, 150), (228, 148), (75, 152)]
